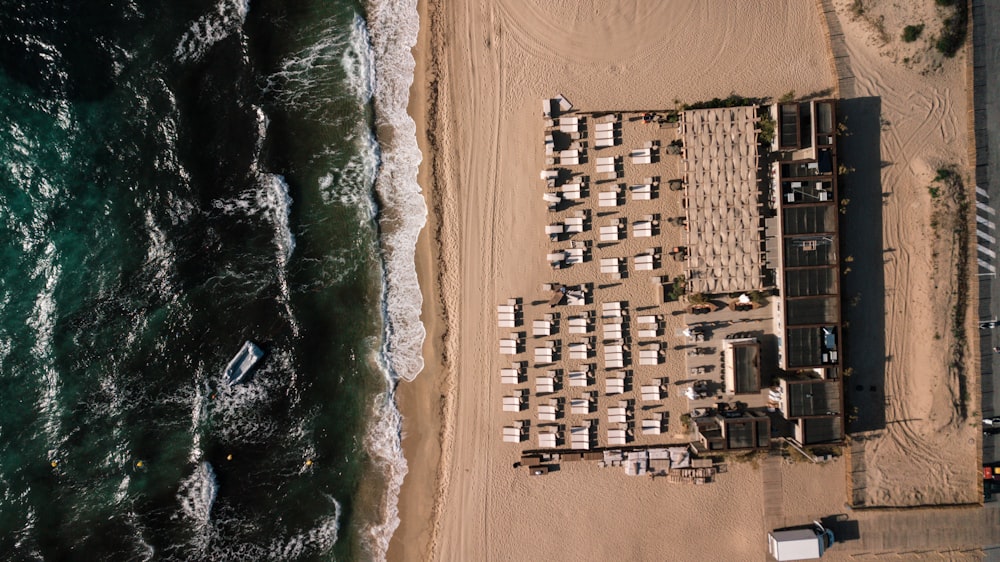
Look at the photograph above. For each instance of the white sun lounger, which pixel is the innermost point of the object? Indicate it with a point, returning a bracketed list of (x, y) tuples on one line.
[(650, 393), (641, 156), (616, 436), (556, 228), (604, 127), (547, 440), (578, 351), (510, 376), (642, 192), (648, 333), (508, 347), (604, 142), (607, 199), (544, 384), (610, 233), (579, 406), (579, 325), (512, 403), (651, 427), (647, 319), (546, 412), (616, 414), (580, 437), (571, 191), (610, 265), (614, 386), (512, 434), (642, 229), (579, 378), (541, 328), (543, 355), (644, 262), (574, 255), (612, 332), (574, 224), (548, 174)]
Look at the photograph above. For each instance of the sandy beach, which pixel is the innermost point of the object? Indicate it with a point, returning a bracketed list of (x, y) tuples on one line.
[(481, 71)]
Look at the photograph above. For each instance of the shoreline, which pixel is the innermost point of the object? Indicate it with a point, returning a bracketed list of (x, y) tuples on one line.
[(420, 401)]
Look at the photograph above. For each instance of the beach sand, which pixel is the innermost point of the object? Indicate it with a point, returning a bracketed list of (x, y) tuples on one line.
[(482, 70), (914, 104), (497, 62)]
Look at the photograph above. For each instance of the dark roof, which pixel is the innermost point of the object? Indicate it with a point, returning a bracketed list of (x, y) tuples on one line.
[(821, 430), (809, 250), (746, 367), (814, 310), (803, 347), (810, 282), (812, 398), (811, 219)]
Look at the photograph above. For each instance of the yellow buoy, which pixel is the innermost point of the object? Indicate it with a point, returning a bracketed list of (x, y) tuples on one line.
[(139, 464), (229, 457), (309, 462), (54, 464)]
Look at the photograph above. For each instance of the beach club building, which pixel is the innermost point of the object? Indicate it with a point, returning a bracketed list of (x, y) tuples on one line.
[(769, 221)]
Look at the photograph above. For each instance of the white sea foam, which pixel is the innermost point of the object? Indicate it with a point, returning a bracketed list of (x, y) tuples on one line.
[(393, 25), (277, 203), (211, 28), (197, 494), (43, 322), (320, 538), (383, 445)]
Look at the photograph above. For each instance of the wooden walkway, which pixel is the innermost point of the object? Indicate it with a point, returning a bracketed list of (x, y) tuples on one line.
[(838, 50)]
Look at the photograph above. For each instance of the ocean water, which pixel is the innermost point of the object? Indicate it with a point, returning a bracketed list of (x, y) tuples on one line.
[(176, 178)]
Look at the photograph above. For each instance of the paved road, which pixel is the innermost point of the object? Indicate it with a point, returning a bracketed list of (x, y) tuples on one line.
[(986, 96)]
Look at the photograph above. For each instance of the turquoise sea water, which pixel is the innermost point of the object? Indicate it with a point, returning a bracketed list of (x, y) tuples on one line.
[(175, 178)]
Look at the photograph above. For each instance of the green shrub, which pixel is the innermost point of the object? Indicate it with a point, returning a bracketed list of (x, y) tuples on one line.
[(912, 32)]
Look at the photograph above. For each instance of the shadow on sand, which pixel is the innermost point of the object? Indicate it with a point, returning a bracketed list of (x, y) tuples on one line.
[(864, 253)]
